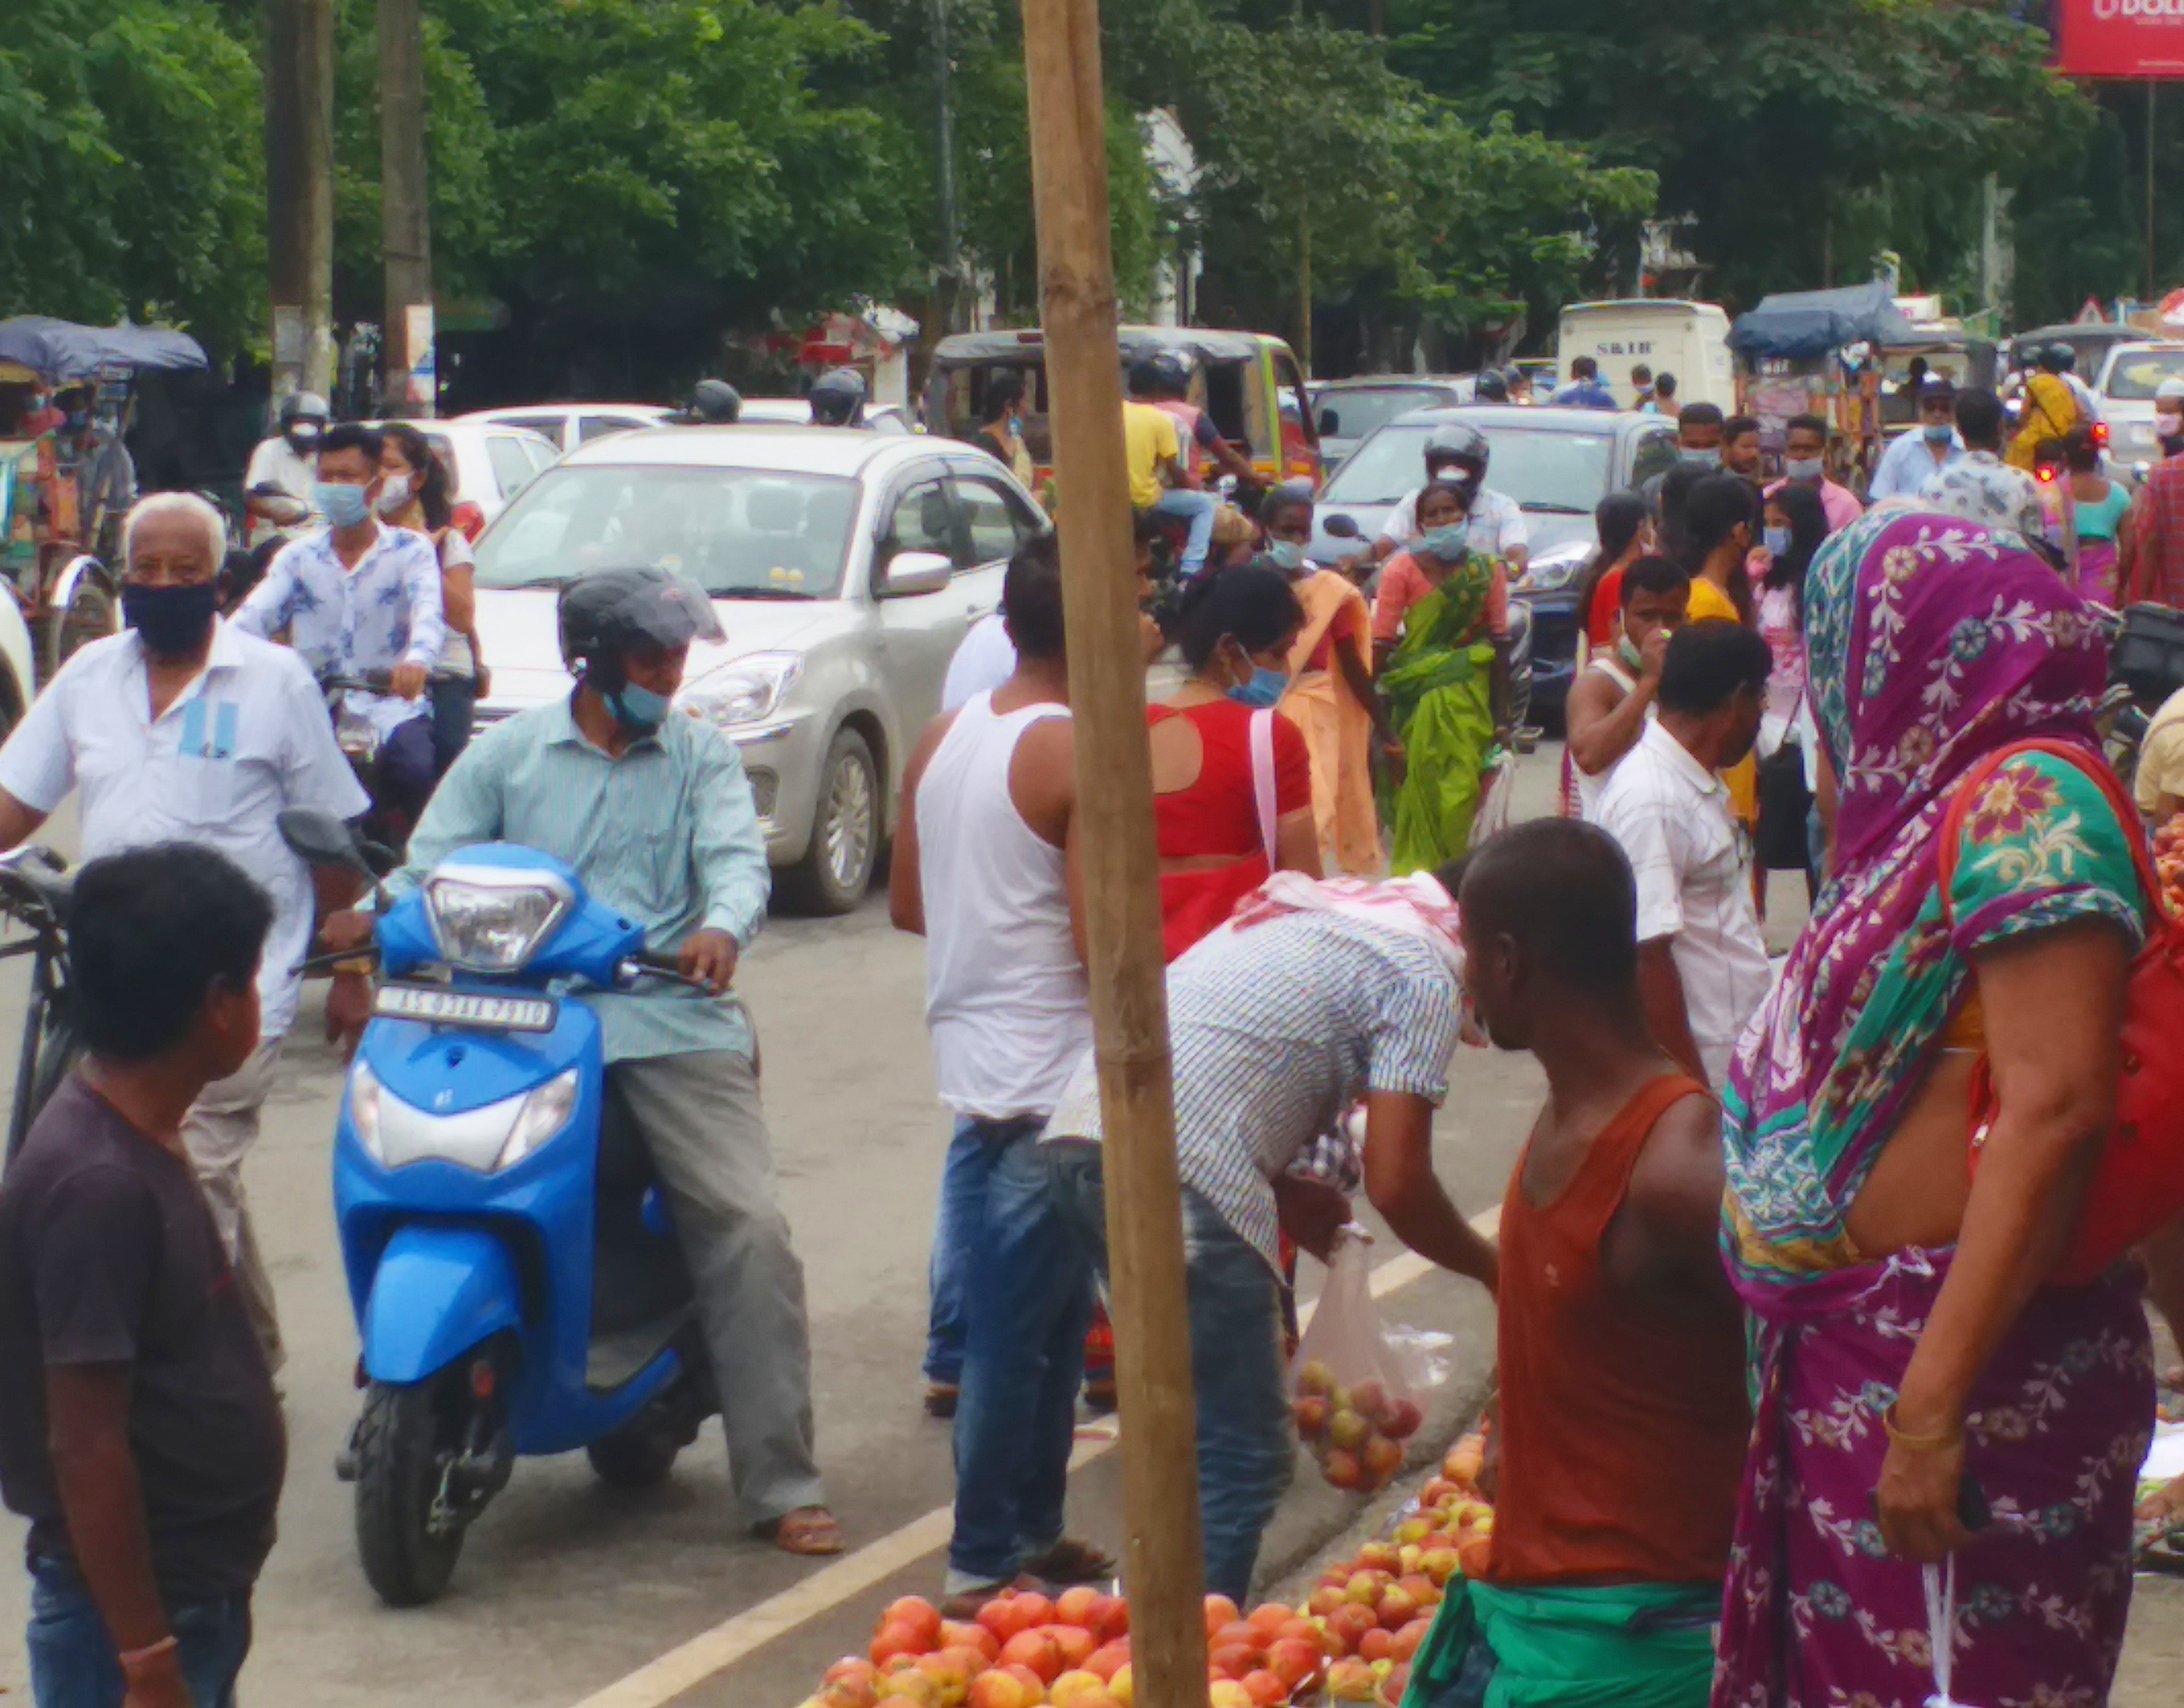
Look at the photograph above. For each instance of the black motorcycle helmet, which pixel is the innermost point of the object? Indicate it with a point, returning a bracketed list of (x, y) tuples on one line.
[(1489, 388), (716, 403), (1457, 445), (837, 399), (606, 614), (303, 416)]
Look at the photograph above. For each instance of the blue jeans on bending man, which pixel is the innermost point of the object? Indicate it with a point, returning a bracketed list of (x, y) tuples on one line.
[(1026, 1299), (1198, 509)]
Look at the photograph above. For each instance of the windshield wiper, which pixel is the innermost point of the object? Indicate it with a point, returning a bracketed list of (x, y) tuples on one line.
[(1556, 509), (763, 593)]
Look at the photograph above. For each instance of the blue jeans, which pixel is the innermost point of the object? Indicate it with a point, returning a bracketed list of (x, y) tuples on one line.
[(1196, 508), (454, 701), (72, 1659), (1028, 1298), (1237, 1365), (963, 1190)]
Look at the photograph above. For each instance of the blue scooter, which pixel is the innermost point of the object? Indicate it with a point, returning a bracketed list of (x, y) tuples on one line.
[(517, 1286)]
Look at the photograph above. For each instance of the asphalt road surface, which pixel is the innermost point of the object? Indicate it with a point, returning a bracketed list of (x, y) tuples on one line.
[(573, 1596)]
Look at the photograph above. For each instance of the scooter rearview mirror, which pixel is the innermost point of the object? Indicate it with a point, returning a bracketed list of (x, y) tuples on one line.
[(1339, 526), (322, 839)]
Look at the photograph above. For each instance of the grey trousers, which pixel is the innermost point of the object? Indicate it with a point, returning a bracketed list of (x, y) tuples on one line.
[(700, 1119), (218, 1133)]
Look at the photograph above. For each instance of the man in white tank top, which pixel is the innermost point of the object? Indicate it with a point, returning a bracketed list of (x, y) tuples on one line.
[(1612, 697), (985, 870)]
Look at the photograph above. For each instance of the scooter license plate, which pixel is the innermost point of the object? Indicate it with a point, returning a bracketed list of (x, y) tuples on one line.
[(437, 1007)]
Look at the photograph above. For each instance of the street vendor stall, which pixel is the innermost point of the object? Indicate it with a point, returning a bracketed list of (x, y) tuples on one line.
[(61, 498), (1817, 352)]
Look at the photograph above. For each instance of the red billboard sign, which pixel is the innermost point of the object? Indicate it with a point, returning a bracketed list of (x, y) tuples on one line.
[(2119, 38)]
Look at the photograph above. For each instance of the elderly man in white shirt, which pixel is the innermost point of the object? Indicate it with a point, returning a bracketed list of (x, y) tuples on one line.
[(1702, 964), (183, 728)]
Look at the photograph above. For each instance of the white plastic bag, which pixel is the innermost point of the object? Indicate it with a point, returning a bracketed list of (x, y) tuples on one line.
[(1359, 1393)]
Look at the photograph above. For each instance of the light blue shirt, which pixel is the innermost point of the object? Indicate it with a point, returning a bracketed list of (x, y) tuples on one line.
[(1586, 395), (384, 612), (668, 835), (1907, 466)]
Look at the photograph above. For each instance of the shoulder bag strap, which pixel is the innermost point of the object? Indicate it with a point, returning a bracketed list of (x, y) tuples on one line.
[(1262, 780)]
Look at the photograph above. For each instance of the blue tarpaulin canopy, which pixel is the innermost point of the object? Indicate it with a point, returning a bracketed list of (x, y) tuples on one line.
[(1794, 324), (59, 351)]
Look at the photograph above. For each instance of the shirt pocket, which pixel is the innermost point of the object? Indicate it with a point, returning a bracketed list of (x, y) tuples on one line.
[(208, 771)]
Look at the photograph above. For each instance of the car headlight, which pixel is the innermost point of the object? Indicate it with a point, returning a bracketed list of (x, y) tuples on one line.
[(364, 1108), (492, 919), (1554, 570), (746, 691)]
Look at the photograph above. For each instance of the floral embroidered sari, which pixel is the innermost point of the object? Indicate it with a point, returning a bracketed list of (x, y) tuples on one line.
[(1932, 643)]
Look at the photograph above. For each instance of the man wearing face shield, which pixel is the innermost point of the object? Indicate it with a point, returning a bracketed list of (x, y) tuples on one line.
[(654, 812), (284, 468), (183, 728), (1458, 455)]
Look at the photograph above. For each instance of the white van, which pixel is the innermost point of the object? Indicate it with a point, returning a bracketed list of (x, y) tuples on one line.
[(1690, 340)]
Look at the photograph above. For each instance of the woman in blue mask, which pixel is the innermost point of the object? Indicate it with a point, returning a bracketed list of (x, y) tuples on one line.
[(1795, 526), (1440, 641), (1232, 779)]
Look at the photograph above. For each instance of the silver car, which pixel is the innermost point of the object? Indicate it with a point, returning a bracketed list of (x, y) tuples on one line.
[(844, 567)]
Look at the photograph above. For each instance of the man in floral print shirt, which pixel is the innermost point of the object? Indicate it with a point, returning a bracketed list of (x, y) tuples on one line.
[(359, 596), (1979, 486)]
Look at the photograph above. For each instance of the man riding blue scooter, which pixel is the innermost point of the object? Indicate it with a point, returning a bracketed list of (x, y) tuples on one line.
[(654, 816)]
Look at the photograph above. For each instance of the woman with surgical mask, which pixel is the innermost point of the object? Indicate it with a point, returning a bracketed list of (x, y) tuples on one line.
[(1232, 780), (1331, 698), (413, 493), (1440, 644)]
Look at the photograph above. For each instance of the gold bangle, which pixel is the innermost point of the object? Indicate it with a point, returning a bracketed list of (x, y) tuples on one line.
[(1919, 1443), (133, 1659)]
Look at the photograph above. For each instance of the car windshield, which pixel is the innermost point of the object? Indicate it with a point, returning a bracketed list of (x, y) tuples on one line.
[(1541, 469), (742, 533), (1353, 411), (2136, 375)]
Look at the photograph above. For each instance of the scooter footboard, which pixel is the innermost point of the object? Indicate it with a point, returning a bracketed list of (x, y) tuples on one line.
[(437, 1292)]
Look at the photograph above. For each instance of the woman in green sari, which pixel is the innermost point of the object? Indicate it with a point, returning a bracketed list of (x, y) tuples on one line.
[(1440, 637)]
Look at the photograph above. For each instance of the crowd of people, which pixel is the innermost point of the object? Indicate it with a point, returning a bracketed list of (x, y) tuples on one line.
[(1788, 1412)]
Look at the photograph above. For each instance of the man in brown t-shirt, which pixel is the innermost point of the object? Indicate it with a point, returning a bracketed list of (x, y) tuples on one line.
[(139, 1432)]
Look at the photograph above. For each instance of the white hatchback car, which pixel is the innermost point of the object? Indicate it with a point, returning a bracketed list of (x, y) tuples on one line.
[(2130, 374), (570, 425), (845, 567), (491, 464)]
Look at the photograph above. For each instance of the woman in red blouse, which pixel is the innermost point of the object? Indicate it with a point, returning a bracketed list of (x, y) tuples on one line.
[(1231, 782)]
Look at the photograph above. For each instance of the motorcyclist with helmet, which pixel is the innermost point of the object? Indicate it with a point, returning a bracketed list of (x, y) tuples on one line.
[(713, 402), (1459, 453), (284, 468), (1489, 388), (838, 397), (655, 813), (1205, 451)]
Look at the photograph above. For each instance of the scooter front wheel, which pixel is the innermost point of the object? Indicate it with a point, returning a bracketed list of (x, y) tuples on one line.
[(409, 1524)]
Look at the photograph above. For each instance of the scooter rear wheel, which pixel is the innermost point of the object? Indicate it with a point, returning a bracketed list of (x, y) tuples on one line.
[(406, 1533)]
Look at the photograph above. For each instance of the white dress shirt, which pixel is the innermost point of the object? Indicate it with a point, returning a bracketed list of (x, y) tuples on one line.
[(248, 738), (1671, 815)]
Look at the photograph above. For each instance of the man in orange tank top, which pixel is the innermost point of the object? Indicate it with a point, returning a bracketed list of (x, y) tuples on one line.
[(1623, 1418)]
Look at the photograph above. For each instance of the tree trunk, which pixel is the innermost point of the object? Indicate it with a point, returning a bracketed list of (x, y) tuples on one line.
[(299, 192), (405, 216)]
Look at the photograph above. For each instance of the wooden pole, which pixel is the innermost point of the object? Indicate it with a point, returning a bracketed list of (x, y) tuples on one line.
[(405, 218), (299, 192), (1162, 1569)]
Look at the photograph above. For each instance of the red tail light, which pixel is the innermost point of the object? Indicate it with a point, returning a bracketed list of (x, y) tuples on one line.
[(2101, 434)]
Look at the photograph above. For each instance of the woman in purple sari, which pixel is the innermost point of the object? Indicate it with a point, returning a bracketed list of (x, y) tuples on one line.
[(1905, 1345)]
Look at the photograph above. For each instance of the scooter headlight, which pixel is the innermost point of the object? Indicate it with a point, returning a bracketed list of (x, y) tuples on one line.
[(493, 919), (544, 1112), (364, 1108)]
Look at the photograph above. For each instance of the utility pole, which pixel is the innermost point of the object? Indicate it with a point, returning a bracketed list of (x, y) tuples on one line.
[(1163, 1565), (950, 291), (405, 217), (299, 192)]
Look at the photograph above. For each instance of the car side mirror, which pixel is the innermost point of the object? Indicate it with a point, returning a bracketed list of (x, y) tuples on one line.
[(1330, 424), (1340, 526), (910, 573)]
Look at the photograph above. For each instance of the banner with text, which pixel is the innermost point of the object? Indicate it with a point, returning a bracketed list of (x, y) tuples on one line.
[(2138, 39)]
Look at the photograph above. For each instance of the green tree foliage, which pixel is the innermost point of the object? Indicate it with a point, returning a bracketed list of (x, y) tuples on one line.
[(134, 183)]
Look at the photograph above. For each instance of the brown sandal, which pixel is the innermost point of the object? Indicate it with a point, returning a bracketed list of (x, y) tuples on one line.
[(809, 1530), (1071, 1561)]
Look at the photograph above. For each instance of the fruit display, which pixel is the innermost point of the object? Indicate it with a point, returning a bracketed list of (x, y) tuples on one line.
[(2169, 862), (1355, 1435), (1350, 1641)]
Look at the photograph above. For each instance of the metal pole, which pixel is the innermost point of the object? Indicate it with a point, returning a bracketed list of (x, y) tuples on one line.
[(405, 216), (2152, 288), (950, 281), (1163, 1567)]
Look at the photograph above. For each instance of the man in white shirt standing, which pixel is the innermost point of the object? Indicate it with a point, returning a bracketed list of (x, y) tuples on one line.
[(183, 728), (985, 871), (1702, 962)]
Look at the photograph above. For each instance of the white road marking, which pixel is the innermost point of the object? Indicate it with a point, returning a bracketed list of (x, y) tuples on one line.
[(690, 1664)]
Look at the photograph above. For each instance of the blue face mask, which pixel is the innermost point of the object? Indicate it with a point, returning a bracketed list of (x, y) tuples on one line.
[(1448, 543), (1777, 539), (1937, 433), (1264, 691), (1285, 554), (342, 505), (78, 420), (638, 710)]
